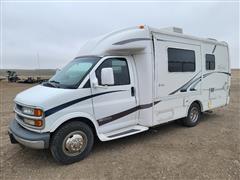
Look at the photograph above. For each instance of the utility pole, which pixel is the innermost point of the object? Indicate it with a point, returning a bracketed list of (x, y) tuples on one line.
[(38, 65)]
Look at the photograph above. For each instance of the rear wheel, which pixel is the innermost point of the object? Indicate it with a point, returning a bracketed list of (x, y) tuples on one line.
[(194, 114), (72, 142)]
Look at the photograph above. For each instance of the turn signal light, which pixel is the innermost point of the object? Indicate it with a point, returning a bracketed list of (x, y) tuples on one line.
[(38, 123), (38, 112), (141, 27)]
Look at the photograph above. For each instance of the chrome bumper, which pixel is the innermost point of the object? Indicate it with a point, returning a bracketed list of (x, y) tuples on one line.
[(18, 134)]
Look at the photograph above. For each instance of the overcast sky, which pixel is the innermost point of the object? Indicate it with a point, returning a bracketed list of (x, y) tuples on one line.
[(56, 31)]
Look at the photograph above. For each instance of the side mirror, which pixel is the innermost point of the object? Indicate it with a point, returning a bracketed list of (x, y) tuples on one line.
[(107, 76)]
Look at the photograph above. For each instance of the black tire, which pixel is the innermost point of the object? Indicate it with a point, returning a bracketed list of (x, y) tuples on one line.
[(192, 119), (58, 142)]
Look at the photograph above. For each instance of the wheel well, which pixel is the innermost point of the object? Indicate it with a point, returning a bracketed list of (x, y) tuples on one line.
[(199, 103), (82, 119)]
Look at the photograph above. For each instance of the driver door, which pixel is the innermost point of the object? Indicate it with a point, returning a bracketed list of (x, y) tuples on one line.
[(113, 108)]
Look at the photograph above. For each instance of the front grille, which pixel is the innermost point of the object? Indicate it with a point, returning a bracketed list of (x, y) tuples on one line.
[(19, 107), (19, 117), (20, 121)]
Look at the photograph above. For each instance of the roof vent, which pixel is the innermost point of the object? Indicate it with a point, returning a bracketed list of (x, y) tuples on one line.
[(173, 29)]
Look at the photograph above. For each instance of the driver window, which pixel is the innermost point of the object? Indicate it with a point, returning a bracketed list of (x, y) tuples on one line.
[(120, 71)]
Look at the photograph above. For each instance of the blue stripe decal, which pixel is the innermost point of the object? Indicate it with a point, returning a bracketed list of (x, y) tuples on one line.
[(119, 115), (195, 81), (187, 84), (70, 103), (131, 40)]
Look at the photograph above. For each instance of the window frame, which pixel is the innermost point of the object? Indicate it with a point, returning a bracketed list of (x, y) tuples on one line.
[(119, 58), (180, 62), (209, 64)]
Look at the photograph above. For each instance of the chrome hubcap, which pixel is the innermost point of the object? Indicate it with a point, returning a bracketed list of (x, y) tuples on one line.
[(194, 114), (74, 143)]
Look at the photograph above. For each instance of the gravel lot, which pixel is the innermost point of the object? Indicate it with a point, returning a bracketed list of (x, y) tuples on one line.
[(210, 150)]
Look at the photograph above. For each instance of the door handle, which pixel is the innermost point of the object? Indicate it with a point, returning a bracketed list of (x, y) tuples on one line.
[(132, 91)]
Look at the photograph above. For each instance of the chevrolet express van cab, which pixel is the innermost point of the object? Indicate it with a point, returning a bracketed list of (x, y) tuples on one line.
[(121, 84)]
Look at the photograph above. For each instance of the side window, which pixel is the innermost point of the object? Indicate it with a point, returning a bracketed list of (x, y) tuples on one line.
[(120, 71), (181, 60), (210, 62), (87, 84)]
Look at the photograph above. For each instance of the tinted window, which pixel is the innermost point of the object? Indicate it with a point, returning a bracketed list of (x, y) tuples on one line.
[(120, 71), (181, 60), (87, 84), (210, 62)]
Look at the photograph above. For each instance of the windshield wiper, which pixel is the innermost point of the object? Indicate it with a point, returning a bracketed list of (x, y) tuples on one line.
[(54, 83), (49, 84)]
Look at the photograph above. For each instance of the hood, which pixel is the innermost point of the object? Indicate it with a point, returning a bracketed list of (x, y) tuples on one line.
[(45, 97)]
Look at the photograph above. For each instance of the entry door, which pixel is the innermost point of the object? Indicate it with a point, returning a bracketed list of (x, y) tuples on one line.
[(178, 77), (114, 105), (177, 64)]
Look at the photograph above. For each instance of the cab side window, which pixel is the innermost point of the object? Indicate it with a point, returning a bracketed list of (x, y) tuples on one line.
[(120, 71), (210, 62)]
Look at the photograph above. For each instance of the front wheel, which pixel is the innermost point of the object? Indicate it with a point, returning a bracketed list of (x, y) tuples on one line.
[(193, 117), (72, 142)]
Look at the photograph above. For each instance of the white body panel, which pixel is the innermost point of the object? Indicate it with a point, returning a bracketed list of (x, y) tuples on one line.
[(153, 96)]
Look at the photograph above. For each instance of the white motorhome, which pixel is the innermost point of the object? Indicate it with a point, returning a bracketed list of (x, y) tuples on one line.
[(121, 84)]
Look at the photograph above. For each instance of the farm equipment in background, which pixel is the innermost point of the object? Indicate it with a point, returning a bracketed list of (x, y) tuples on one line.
[(31, 80), (12, 76)]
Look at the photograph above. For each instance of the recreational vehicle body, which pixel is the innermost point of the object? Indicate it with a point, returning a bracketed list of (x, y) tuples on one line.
[(121, 84)]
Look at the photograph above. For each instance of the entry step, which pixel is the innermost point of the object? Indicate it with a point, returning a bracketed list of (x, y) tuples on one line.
[(123, 132)]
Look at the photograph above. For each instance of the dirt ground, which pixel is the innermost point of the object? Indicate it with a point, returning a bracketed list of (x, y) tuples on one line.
[(210, 150)]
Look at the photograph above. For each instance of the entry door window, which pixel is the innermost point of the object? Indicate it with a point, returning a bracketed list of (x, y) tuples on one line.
[(181, 60), (120, 71)]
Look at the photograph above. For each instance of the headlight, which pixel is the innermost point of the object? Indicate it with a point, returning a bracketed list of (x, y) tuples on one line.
[(32, 111)]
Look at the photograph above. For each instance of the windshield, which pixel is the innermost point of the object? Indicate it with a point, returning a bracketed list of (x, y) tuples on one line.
[(73, 74)]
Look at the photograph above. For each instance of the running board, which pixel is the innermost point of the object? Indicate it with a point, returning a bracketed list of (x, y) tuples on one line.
[(122, 132)]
